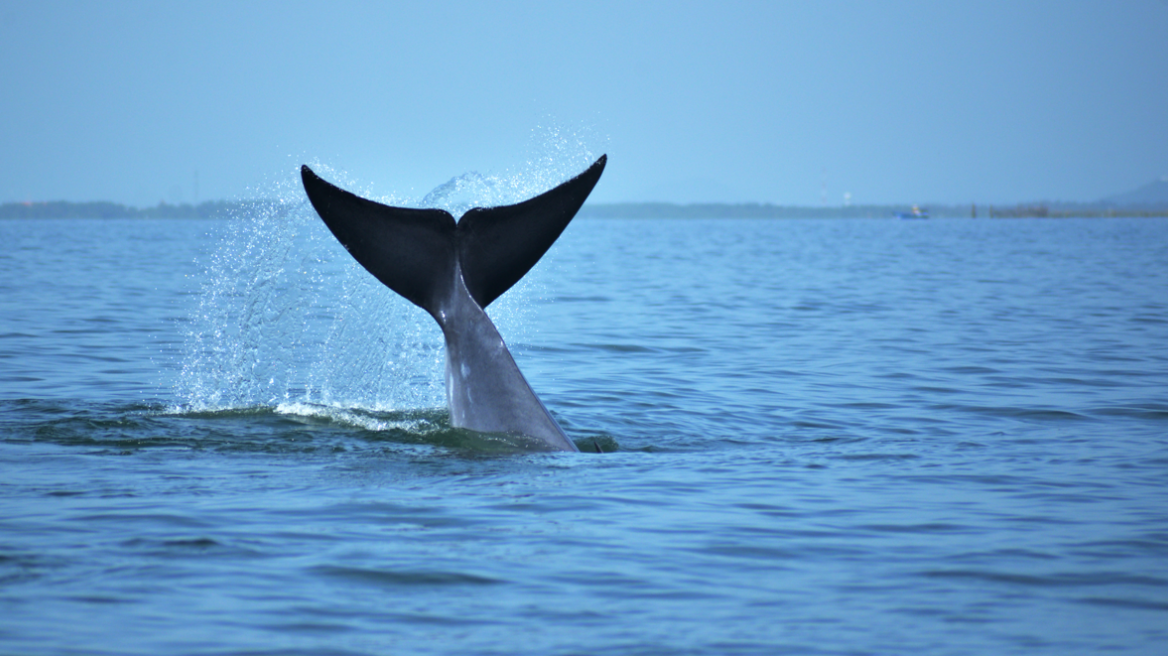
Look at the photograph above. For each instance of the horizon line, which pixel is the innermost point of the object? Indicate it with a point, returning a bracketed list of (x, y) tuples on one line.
[(667, 203)]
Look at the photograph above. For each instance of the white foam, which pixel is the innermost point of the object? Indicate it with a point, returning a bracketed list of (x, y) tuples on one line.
[(414, 425)]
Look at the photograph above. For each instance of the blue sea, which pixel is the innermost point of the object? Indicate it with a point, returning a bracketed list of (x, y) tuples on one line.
[(821, 436)]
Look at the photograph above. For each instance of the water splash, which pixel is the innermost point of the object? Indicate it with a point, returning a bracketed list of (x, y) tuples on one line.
[(556, 155), (286, 316)]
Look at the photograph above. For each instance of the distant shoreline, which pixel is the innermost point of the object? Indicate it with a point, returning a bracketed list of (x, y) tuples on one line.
[(227, 209)]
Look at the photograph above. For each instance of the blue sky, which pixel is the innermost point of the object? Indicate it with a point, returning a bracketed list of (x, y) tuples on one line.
[(693, 101)]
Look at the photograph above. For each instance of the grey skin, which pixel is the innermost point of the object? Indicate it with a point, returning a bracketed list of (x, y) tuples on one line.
[(485, 390), (454, 270)]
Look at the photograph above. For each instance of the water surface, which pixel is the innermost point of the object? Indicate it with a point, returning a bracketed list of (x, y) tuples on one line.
[(823, 436)]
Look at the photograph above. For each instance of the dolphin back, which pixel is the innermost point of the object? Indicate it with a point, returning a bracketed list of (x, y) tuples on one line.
[(415, 252)]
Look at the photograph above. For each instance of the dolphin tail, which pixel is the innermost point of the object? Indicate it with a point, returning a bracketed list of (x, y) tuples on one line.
[(416, 251)]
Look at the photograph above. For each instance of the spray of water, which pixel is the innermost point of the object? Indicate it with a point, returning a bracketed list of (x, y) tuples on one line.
[(287, 319)]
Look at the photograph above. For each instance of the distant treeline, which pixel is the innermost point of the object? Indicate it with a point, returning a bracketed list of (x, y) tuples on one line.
[(768, 211), (226, 209), (214, 209), (1066, 211), (730, 211)]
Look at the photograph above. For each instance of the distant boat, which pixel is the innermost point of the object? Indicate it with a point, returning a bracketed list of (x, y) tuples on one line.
[(915, 213)]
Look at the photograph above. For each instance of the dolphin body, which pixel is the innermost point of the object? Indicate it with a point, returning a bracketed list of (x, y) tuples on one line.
[(453, 270)]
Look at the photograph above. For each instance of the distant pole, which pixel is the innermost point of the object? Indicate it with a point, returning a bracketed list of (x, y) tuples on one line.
[(973, 210)]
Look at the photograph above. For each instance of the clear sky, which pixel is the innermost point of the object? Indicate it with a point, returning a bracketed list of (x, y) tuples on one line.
[(892, 101)]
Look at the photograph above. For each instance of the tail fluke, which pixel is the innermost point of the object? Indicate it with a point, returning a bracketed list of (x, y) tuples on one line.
[(413, 251), (498, 245)]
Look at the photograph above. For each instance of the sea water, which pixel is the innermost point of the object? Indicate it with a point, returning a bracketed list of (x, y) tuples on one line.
[(820, 437)]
